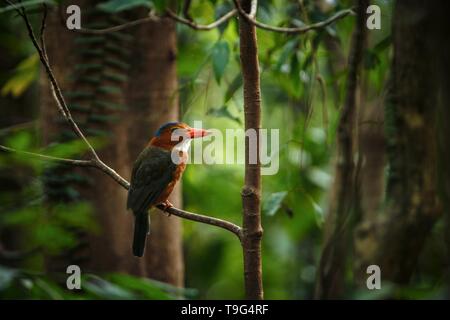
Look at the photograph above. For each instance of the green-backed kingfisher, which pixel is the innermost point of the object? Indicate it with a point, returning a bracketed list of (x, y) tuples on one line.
[(155, 173)]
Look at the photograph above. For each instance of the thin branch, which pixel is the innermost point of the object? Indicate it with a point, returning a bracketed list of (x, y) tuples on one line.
[(42, 32), (118, 27), (250, 17), (170, 14), (319, 25), (80, 163), (13, 5), (186, 7), (196, 26), (204, 219)]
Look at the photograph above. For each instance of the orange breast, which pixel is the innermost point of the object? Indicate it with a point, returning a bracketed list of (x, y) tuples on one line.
[(168, 190)]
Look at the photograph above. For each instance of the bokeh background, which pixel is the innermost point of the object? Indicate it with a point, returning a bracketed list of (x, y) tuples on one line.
[(52, 216)]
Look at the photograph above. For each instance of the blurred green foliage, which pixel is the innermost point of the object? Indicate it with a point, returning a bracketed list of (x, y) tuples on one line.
[(22, 284)]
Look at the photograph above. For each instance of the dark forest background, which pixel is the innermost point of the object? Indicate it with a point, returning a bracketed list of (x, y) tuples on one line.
[(325, 218)]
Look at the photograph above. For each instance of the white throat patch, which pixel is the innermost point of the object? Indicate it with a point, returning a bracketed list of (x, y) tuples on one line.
[(184, 145)]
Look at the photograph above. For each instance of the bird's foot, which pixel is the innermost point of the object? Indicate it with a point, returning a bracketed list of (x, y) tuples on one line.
[(167, 205)]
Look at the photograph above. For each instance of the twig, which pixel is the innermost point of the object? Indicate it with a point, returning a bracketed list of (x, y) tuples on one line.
[(319, 25), (188, 21), (80, 163), (204, 219), (196, 26), (13, 5), (186, 7), (42, 33), (118, 27), (170, 14)]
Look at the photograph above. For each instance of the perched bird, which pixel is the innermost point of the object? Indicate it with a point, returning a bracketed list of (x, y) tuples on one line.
[(155, 173)]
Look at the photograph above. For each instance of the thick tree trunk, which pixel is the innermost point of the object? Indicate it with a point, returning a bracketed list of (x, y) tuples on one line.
[(152, 99), (412, 195), (394, 241), (370, 178), (128, 113), (251, 193), (73, 58)]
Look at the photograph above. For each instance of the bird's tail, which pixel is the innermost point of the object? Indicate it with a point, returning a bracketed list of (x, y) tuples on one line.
[(141, 229)]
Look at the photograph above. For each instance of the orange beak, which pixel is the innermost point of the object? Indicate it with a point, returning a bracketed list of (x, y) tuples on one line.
[(197, 133)]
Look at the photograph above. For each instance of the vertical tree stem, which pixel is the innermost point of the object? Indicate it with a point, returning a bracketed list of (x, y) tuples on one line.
[(251, 193), (331, 272)]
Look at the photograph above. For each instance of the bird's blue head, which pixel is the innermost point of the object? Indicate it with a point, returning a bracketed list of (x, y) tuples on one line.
[(163, 136), (169, 126)]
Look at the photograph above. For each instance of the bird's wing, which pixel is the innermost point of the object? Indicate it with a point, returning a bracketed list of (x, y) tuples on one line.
[(152, 172)]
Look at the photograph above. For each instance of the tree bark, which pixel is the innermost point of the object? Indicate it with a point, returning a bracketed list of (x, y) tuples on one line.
[(152, 99), (394, 241), (251, 192), (143, 101)]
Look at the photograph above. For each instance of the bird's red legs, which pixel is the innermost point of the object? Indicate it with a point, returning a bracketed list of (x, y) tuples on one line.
[(166, 205)]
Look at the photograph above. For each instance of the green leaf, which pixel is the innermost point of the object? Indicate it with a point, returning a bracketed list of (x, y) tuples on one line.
[(288, 49), (66, 150), (78, 214), (233, 87), (25, 216), (220, 56), (371, 59), (220, 11), (223, 112), (273, 202), (109, 90), (53, 238), (383, 44), (22, 140), (114, 6), (145, 287), (159, 5), (24, 75), (106, 290), (295, 71)]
